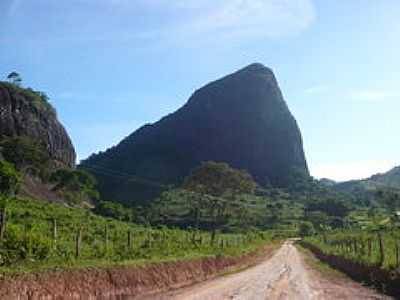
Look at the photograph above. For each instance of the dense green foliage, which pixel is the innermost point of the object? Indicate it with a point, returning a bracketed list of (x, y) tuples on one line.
[(35, 99), (174, 208), (41, 235), (371, 248), (306, 229), (213, 189), (364, 191), (76, 186), (116, 211), (9, 179), (27, 155)]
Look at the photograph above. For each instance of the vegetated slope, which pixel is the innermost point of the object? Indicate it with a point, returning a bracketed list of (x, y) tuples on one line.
[(241, 119), (32, 139), (24, 112), (390, 179), (40, 235)]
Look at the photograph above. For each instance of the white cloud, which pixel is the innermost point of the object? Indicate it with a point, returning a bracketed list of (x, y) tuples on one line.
[(198, 20), (183, 22), (372, 95), (367, 95), (243, 18), (342, 171)]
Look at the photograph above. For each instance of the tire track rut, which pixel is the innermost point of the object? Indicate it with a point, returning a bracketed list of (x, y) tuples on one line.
[(282, 277)]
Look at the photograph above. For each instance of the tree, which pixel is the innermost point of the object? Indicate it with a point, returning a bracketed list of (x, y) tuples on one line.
[(10, 179), (26, 154), (306, 229), (219, 179), (390, 198), (76, 185), (115, 210), (319, 219), (215, 187), (330, 206), (14, 78)]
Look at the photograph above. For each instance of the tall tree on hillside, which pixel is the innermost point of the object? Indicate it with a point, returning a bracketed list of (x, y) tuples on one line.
[(14, 78), (215, 187)]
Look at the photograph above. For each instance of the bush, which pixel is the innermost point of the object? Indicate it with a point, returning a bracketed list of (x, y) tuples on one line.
[(27, 155), (10, 179), (114, 210), (75, 185), (306, 229)]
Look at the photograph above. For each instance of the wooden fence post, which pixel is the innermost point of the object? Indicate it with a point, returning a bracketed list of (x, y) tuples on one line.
[(369, 247), (78, 243), (106, 238), (54, 233), (129, 239), (3, 224), (381, 249), (149, 239), (355, 246)]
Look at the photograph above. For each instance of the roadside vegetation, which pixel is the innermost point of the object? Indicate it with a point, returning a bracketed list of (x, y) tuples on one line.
[(367, 249), (216, 210), (39, 235)]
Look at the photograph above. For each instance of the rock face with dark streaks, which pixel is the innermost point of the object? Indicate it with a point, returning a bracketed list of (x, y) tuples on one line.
[(24, 112), (241, 119)]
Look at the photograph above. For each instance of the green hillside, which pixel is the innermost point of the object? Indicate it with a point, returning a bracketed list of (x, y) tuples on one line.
[(40, 235), (366, 189)]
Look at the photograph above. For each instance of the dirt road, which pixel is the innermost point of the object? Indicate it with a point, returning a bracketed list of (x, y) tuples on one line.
[(284, 276)]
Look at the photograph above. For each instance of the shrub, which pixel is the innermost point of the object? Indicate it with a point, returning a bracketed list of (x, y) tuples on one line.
[(306, 229), (27, 155), (10, 179), (75, 185)]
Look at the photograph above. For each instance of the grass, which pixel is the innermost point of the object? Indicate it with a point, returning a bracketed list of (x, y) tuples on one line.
[(362, 246), (319, 265), (30, 244)]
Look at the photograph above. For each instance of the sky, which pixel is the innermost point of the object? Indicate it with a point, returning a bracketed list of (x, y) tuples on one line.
[(110, 66)]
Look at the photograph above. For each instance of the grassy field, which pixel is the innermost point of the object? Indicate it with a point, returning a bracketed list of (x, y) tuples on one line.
[(41, 236), (371, 248)]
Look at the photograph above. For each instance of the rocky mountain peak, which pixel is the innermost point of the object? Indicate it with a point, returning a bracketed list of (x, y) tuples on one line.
[(241, 119)]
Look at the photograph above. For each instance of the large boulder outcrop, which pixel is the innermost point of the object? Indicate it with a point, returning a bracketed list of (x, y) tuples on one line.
[(24, 112), (241, 119)]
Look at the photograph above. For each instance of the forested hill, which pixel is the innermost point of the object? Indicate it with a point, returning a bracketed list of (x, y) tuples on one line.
[(390, 179), (241, 119)]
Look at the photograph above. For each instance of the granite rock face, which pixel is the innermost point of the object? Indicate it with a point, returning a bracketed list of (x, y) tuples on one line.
[(241, 119), (24, 113)]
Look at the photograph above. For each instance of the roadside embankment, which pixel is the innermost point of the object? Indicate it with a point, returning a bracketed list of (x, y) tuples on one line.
[(384, 280), (121, 282)]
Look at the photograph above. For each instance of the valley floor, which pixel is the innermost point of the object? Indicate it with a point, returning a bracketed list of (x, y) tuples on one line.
[(284, 276)]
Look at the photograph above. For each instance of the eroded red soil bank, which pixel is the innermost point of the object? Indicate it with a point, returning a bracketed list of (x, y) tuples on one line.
[(384, 280), (120, 282)]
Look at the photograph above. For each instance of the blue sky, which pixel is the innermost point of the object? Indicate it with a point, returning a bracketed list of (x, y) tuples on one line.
[(110, 66)]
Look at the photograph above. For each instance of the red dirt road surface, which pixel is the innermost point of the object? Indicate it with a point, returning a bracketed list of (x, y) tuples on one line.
[(283, 276)]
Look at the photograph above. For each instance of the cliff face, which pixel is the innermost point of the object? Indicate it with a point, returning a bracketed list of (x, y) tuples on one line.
[(24, 112), (241, 119)]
